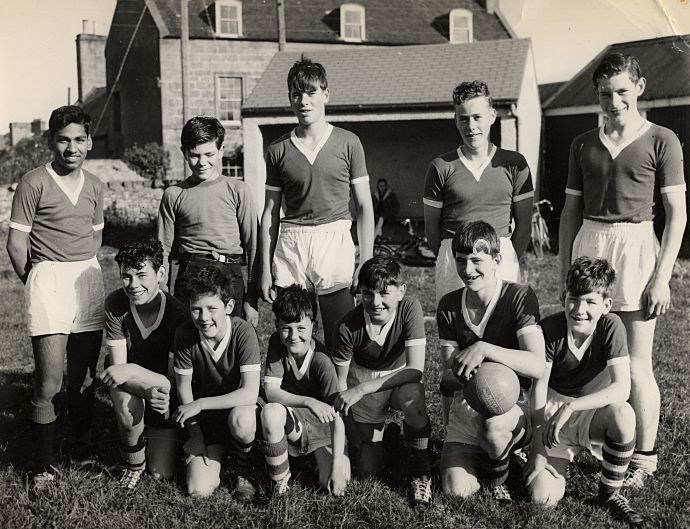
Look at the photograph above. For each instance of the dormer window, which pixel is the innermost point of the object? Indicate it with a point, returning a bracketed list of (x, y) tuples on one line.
[(460, 26), (352, 23), (228, 18)]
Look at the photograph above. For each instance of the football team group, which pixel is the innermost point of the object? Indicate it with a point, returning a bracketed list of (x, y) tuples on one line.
[(183, 362)]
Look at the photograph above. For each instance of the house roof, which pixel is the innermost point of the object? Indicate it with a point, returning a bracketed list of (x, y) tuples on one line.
[(546, 90), (387, 21), (93, 104), (665, 62), (404, 77)]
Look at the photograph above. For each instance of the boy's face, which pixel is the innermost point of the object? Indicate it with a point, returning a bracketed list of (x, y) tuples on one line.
[(381, 306), (477, 270), (618, 96), (296, 336), (141, 284), (309, 106), (583, 312), (209, 315), (70, 145), (473, 119), (205, 160)]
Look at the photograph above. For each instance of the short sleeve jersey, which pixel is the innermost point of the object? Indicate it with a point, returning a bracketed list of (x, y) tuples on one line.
[(211, 377), (488, 193), (316, 184), (61, 222), (353, 341), (149, 347), (315, 378), (617, 183), (516, 312), (574, 371)]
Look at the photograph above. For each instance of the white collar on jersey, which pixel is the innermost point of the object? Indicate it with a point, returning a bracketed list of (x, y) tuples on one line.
[(311, 155), (301, 371), (146, 331), (217, 352), (579, 352), (477, 170), (615, 150), (375, 332), (72, 196), (481, 327)]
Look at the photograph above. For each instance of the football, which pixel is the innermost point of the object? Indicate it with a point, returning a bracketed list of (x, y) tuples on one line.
[(493, 390)]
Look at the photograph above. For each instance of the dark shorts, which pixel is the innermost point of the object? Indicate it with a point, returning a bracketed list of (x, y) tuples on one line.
[(190, 264)]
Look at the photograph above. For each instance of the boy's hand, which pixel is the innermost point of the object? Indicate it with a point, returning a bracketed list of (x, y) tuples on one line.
[(536, 464), (656, 298), (324, 412), (337, 483), (354, 287), (467, 361), (116, 375), (553, 427), (268, 293), (158, 399), (186, 411), (250, 314), (195, 446), (346, 399)]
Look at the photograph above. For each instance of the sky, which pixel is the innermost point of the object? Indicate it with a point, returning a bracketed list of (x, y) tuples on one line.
[(38, 52)]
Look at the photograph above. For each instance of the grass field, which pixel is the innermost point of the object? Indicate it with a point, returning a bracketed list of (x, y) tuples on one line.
[(88, 497)]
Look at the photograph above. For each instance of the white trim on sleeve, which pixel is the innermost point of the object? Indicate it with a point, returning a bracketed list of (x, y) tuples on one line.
[(20, 227), (273, 188), (250, 368), (680, 188), (573, 192), (529, 329), (448, 343), (432, 203), (415, 341), (359, 180), (98, 227), (618, 360), (114, 343), (273, 380), (183, 371), (341, 363), (519, 198)]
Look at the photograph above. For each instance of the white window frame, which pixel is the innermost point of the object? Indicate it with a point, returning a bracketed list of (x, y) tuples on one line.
[(232, 170), (359, 10), (228, 3), (218, 99), (467, 14)]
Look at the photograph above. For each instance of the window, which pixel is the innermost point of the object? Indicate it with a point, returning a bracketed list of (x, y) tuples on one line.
[(460, 22), (231, 168), (229, 18), (229, 99), (352, 26)]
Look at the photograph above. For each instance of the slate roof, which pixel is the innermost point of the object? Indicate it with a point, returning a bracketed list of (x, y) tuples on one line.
[(387, 21), (665, 62), (399, 77), (546, 90)]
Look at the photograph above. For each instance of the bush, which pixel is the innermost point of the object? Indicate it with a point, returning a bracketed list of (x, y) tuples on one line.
[(28, 154), (150, 161)]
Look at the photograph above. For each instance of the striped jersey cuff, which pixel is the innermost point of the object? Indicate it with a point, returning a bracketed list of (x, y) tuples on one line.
[(250, 368), (432, 203), (518, 198), (680, 188), (448, 343), (574, 192), (20, 227), (115, 342), (273, 380), (359, 180), (529, 329), (415, 341), (98, 227), (273, 188), (184, 371), (340, 362), (618, 360)]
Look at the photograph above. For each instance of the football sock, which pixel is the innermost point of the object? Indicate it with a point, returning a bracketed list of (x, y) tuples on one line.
[(80, 411), (43, 420), (616, 459), (134, 457), (494, 471), (243, 454), (276, 455), (417, 440), (646, 460)]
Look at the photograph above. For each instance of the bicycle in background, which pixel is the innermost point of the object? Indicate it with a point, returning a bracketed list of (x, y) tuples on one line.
[(540, 232), (414, 251)]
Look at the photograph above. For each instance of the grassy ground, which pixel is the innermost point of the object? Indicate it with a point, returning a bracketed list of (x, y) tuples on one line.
[(89, 497)]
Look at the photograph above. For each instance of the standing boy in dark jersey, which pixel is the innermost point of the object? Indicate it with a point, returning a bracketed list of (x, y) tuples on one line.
[(313, 168), (209, 219), (56, 227)]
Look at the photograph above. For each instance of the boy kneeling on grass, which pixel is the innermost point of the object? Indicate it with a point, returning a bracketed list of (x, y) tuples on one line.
[(217, 368), (140, 322), (379, 355), (299, 381), (580, 402)]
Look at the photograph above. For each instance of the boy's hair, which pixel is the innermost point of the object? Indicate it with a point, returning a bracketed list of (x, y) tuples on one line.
[(470, 90), (294, 303), (616, 63), (306, 73), (63, 116), (135, 254), (209, 281), (379, 272), (475, 237), (202, 129), (587, 275)]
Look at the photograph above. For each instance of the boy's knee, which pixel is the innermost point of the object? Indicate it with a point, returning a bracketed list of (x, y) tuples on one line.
[(412, 399), (273, 420), (620, 419), (242, 422)]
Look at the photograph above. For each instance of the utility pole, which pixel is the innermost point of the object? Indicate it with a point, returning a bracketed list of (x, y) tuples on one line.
[(281, 25), (184, 57)]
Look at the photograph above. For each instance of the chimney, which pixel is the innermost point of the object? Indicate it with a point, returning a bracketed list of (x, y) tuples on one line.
[(491, 6), (90, 59)]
